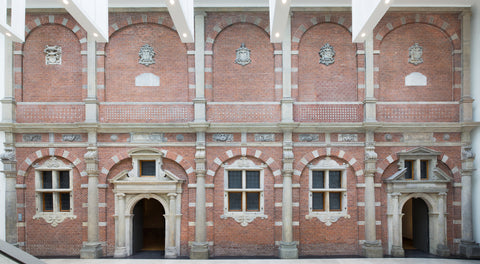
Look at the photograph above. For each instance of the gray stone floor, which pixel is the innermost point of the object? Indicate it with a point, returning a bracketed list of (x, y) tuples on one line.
[(266, 261)]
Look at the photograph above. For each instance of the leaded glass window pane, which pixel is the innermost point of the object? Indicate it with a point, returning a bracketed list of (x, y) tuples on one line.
[(147, 168), (64, 201), (318, 180), (64, 179), (253, 179), (335, 201), (234, 201), (47, 180), (424, 169), (317, 201), (334, 179), (409, 172), (235, 179), (253, 201), (48, 202)]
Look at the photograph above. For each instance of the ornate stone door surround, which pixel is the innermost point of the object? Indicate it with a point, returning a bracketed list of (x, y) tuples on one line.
[(130, 187), (432, 190)]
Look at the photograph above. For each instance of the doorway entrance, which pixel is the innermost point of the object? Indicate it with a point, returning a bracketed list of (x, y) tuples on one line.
[(148, 226), (415, 225)]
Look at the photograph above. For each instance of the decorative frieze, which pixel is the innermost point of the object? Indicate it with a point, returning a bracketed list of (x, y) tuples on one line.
[(148, 137), (222, 137), (32, 137), (265, 137), (243, 55), (347, 137), (53, 55), (71, 137), (327, 55), (308, 137), (146, 54), (415, 54)]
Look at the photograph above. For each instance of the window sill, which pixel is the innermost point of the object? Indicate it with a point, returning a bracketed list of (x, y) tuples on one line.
[(244, 218), (328, 217), (54, 218)]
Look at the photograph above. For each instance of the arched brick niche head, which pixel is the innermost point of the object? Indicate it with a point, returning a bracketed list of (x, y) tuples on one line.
[(235, 82)]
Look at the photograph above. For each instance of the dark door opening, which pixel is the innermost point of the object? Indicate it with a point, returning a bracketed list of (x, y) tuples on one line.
[(148, 226), (415, 226)]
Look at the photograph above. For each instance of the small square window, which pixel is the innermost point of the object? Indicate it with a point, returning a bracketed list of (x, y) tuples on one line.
[(47, 180), (147, 168)]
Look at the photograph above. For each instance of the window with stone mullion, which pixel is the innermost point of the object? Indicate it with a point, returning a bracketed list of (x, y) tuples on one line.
[(243, 191), (326, 190)]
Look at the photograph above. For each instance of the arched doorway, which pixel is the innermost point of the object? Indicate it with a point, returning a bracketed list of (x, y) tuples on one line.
[(148, 226), (415, 225)]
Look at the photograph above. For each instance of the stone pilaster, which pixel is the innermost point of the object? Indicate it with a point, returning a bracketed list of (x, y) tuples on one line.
[(287, 101), (92, 249), (372, 248), (397, 249), (442, 249), (370, 100), (466, 102), (288, 247), (468, 247), (199, 248), (10, 171), (170, 249), (6, 79), (120, 248), (199, 101), (91, 102)]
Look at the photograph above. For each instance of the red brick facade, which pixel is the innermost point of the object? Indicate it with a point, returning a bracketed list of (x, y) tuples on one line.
[(242, 101)]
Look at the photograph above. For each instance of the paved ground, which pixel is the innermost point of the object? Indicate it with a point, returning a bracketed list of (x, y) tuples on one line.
[(265, 261)]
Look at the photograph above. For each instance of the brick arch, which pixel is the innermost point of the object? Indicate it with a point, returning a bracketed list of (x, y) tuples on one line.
[(389, 160), (227, 22), (327, 152), (119, 23), (180, 160), (50, 152), (425, 19), (243, 152), (63, 20), (334, 19)]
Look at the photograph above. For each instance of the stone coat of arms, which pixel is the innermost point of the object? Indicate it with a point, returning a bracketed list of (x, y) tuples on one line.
[(146, 54), (53, 54), (327, 54), (415, 54), (243, 55)]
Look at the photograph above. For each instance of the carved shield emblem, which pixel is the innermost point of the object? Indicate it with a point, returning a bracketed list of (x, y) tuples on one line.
[(243, 55), (146, 54), (326, 54), (415, 54), (53, 54)]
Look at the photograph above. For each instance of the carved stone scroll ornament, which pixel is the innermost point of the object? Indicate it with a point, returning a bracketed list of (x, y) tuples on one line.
[(327, 54), (415, 54), (9, 154), (243, 55), (244, 219), (146, 55), (467, 153), (328, 218), (222, 137), (53, 54), (71, 137), (54, 218)]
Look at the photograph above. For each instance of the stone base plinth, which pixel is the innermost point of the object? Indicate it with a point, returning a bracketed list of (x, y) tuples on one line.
[(170, 252), (443, 251), (469, 249), (288, 250), (199, 250), (120, 252), (372, 250), (398, 252), (91, 251)]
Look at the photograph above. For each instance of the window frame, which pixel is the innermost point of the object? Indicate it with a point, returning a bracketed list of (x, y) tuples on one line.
[(244, 190), (416, 167), (328, 215)]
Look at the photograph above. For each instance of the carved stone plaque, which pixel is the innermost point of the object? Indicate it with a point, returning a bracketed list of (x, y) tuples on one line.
[(326, 54), (222, 137), (53, 54), (243, 55), (265, 137), (147, 137), (308, 137), (347, 137), (146, 54), (415, 54), (71, 137), (32, 137)]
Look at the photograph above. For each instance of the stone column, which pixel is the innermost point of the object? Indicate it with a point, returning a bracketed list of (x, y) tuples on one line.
[(199, 248), (92, 249), (442, 249), (91, 102), (170, 250), (288, 247), (468, 247), (120, 250), (466, 102), (397, 249), (6, 80), (370, 100), (199, 101), (10, 171), (372, 248), (287, 101)]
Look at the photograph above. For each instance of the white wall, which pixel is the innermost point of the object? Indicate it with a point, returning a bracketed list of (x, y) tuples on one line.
[(476, 116), (2, 139)]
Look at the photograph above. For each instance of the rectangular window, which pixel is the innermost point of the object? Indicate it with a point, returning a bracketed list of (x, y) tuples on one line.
[(48, 202), (64, 179), (64, 202), (318, 201), (327, 190), (410, 169), (243, 190), (54, 191), (46, 180), (147, 168), (424, 169)]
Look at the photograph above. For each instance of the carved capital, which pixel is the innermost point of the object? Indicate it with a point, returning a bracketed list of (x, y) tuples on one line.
[(8, 155)]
